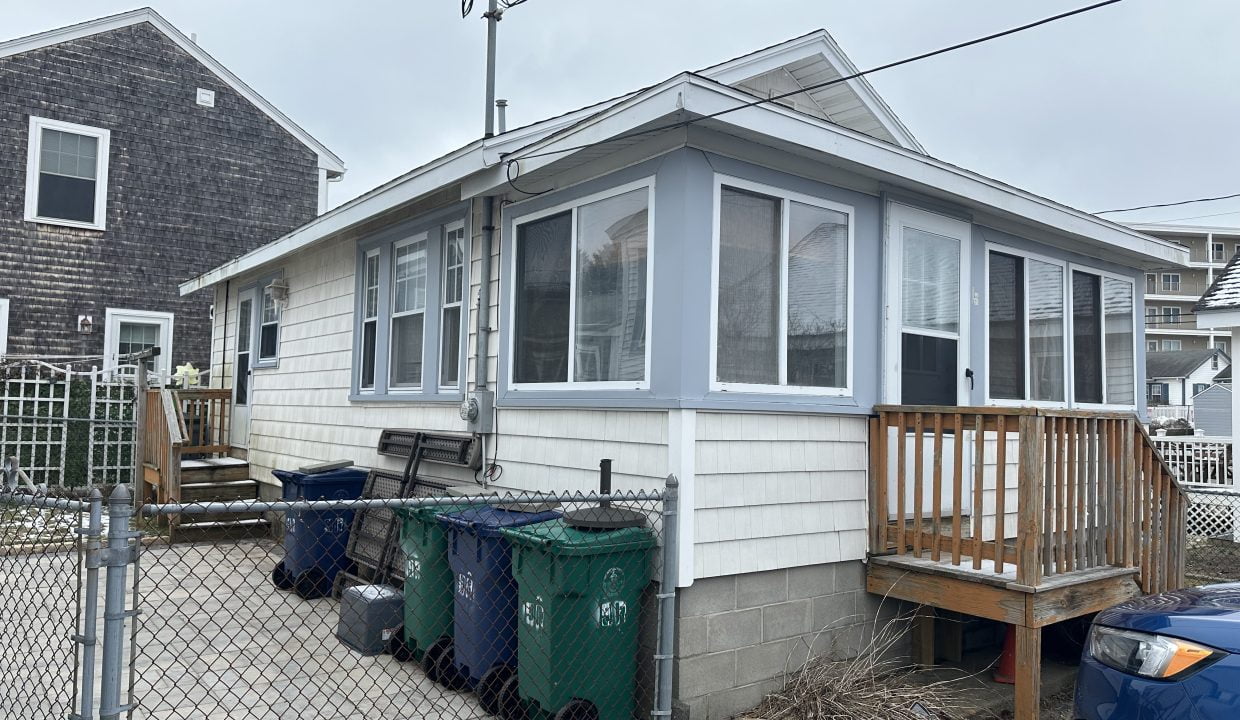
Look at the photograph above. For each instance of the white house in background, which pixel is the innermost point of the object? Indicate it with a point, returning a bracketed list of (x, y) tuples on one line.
[(687, 282), (1174, 378)]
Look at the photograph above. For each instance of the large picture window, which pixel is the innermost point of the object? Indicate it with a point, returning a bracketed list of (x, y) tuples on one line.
[(66, 174), (410, 313), (782, 304), (581, 287), (1030, 303)]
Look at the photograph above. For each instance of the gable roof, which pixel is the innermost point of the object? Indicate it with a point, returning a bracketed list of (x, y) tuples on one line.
[(1223, 295), (612, 126), (812, 59), (327, 159), (1176, 364), (1224, 375)]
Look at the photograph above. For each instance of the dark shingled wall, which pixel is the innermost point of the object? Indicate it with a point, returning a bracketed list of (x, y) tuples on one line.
[(189, 188)]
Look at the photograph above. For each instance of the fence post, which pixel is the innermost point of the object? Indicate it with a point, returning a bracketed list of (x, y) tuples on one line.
[(90, 613), (665, 653), (117, 558)]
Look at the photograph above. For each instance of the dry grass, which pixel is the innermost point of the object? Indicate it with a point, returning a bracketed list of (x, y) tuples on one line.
[(877, 684)]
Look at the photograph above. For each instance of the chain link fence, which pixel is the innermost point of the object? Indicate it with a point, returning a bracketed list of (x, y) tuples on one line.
[(1212, 551), (41, 563)]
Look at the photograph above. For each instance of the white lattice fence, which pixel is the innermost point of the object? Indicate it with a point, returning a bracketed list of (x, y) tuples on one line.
[(110, 458), (35, 426)]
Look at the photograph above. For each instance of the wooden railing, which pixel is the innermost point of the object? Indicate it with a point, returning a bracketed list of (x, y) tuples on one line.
[(205, 417), (162, 445), (1025, 492)]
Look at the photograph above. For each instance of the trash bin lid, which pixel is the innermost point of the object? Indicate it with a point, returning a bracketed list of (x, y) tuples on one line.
[(427, 513), (489, 521), (350, 474), (562, 539), (604, 518)]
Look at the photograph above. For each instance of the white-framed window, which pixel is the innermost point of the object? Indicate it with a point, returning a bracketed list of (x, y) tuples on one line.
[(782, 277), (411, 288), (1221, 345), (4, 325), (1172, 345), (581, 293), (1040, 311), (1151, 346), (67, 174), (408, 319), (1199, 388), (131, 331), (451, 305), (370, 319), (1217, 252), (268, 328), (1170, 315), (1171, 282), (1155, 394)]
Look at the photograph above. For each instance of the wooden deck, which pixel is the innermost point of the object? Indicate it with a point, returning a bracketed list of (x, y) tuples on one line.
[(1019, 515)]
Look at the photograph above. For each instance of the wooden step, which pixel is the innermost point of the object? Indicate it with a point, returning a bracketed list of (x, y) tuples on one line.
[(210, 527), (225, 491), (213, 470)]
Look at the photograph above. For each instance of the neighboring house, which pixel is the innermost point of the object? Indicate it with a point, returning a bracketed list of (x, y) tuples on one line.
[(1174, 378), (1212, 411), (133, 159), (1171, 292), (727, 300)]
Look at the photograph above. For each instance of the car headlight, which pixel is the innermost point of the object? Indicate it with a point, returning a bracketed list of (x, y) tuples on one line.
[(1151, 656)]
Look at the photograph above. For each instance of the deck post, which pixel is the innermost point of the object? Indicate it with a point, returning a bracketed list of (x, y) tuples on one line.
[(1028, 672), (923, 636), (1030, 490)]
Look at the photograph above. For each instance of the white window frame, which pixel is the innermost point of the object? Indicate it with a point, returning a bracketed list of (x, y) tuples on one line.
[(1167, 283), (1155, 393), (37, 126), (361, 346), (113, 317), (424, 238), (1170, 314), (1221, 345), (4, 325), (575, 205), (787, 197), (442, 305), (1222, 252), (1067, 337), (1151, 346), (1102, 324), (1166, 345), (261, 359)]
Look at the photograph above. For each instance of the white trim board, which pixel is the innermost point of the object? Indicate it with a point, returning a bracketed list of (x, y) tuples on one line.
[(327, 159), (113, 317), (4, 325)]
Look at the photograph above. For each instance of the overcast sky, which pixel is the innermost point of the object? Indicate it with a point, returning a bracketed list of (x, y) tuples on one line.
[(1132, 104)]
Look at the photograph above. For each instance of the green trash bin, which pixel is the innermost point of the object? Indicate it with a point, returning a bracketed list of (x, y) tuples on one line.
[(578, 607), (428, 587)]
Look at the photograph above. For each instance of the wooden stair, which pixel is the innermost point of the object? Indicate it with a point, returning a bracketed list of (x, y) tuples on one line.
[(219, 480)]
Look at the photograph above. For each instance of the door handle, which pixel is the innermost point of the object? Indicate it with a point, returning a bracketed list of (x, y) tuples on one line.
[(968, 373)]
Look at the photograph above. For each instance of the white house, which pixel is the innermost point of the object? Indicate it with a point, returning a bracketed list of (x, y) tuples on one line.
[(1174, 378), (691, 280)]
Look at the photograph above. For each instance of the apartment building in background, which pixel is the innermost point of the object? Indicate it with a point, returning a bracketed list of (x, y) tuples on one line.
[(1170, 294)]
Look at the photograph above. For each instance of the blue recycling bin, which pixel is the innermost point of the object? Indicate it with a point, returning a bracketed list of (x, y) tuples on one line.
[(315, 540), (483, 651)]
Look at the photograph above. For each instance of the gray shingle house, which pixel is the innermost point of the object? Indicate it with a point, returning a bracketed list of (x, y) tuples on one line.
[(131, 160)]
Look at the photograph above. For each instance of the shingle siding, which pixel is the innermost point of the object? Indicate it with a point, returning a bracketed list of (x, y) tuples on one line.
[(189, 188)]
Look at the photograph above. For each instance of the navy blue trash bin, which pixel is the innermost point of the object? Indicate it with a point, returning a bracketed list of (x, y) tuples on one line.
[(315, 540), (484, 644)]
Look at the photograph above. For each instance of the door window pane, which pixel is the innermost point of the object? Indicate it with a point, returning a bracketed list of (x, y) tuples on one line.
[(135, 337), (1120, 365), (817, 297), (749, 286), (543, 291), (928, 370), (610, 327), (931, 281), (1007, 327), (68, 163), (1086, 338), (244, 327), (1046, 331)]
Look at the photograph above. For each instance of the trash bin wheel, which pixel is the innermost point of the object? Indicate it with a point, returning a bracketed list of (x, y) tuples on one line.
[(312, 584), (490, 685), (398, 648), (281, 577), (510, 705), (577, 710), (438, 665)]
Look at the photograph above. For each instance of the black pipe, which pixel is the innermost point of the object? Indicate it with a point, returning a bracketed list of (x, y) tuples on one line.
[(604, 480)]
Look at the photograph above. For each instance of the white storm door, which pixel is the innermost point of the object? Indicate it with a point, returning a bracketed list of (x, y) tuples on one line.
[(926, 313), (242, 374)]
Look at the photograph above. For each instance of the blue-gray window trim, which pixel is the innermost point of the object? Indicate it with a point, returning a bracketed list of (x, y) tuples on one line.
[(256, 316), (434, 224)]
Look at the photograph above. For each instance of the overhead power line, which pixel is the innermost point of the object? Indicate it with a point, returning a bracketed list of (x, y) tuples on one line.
[(1172, 204), (836, 81)]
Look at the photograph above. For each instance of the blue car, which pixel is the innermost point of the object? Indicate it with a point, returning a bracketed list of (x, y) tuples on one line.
[(1163, 657)]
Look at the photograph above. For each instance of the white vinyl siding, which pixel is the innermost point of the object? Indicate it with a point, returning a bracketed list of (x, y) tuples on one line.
[(4, 325)]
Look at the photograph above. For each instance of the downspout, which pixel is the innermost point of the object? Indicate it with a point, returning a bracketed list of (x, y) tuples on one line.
[(483, 330)]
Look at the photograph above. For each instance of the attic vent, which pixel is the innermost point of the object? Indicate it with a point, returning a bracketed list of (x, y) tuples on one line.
[(206, 98)]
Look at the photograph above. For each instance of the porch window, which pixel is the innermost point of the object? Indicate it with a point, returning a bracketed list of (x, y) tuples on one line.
[(581, 289), (269, 328), (782, 304), (410, 312), (1040, 310), (66, 174)]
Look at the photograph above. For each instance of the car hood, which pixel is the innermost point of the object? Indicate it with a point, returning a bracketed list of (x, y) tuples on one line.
[(1209, 615)]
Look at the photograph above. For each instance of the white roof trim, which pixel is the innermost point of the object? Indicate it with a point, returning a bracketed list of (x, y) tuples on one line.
[(1202, 230), (747, 66), (327, 159)]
